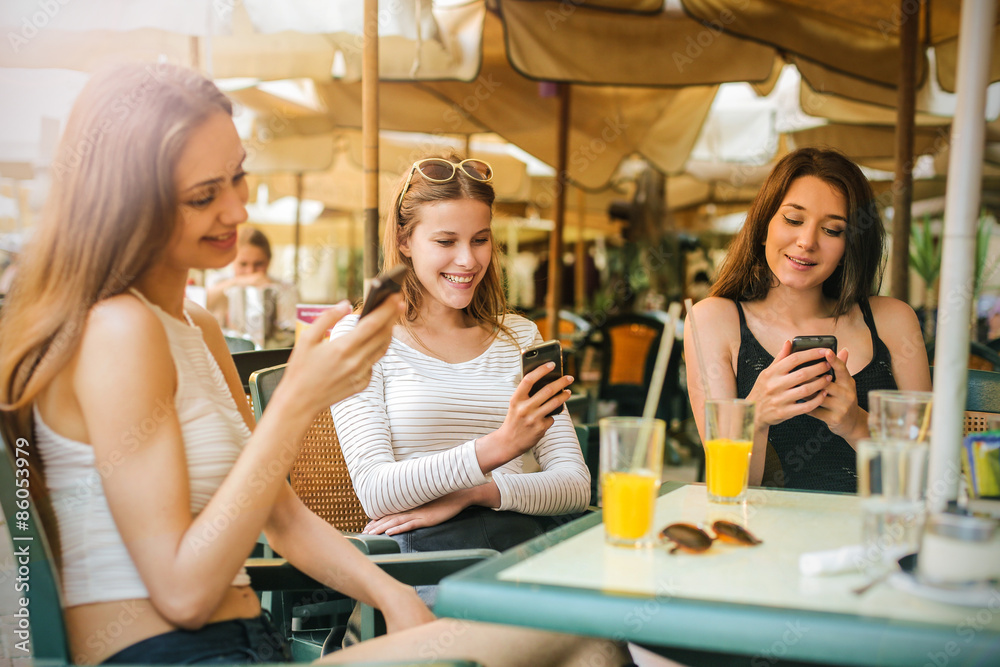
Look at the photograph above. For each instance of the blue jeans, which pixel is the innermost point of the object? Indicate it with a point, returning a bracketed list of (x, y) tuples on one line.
[(240, 641)]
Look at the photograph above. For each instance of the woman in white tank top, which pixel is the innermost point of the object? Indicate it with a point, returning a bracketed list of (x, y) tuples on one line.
[(139, 416)]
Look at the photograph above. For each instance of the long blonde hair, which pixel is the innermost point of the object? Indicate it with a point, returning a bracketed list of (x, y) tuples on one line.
[(489, 301), (112, 209)]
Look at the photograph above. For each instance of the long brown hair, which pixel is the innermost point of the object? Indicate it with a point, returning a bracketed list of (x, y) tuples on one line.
[(745, 275), (112, 208), (489, 302)]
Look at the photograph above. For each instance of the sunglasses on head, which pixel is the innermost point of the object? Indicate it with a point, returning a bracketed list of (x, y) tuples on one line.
[(439, 170), (693, 539)]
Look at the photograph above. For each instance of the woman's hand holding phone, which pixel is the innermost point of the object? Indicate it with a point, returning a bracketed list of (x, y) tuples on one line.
[(839, 408), (794, 384), (781, 386), (527, 419), (322, 372)]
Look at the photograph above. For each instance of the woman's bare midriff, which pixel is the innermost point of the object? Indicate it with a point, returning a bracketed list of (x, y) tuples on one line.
[(98, 631)]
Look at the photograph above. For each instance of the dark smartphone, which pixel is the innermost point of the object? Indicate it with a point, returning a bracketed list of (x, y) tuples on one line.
[(800, 343), (535, 356), (382, 286)]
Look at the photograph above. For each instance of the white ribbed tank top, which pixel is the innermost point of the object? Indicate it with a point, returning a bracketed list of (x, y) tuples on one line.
[(96, 565)]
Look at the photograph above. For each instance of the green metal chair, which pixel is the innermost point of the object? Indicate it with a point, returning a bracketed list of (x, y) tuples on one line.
[(254, 360), (239, 344)]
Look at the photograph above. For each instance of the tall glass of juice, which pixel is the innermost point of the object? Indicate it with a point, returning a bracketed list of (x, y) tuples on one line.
[(631, 468), (728, 442)]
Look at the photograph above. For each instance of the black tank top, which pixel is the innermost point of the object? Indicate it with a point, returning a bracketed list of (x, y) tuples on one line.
[(811, 456)]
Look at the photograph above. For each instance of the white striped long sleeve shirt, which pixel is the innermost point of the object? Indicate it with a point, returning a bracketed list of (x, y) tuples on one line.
[(409, 438)]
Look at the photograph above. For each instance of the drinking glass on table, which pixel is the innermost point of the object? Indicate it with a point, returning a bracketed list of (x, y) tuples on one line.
[(631, 467), (899, 414), (892, 484), (728, 443)]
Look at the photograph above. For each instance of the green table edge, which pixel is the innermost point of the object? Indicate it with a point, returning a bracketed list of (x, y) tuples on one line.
[(768, 633)]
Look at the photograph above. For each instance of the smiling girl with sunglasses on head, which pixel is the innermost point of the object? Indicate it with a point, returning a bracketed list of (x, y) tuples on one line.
[(807, 262), (434, 443)]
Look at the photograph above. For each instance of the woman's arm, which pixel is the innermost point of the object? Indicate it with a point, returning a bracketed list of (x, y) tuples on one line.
[(563, 484), (123, 374), (716, 325), (899, 329), (384, 485)]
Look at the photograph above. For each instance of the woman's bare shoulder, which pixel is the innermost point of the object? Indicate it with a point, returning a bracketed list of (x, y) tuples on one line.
[(122, 316), (716, 312), (892, 314)]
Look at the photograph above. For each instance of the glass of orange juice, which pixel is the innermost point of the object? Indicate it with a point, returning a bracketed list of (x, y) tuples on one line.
[(631, 467), (728, 442)]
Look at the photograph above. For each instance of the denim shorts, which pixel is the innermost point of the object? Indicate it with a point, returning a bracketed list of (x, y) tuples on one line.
[(240, 641)]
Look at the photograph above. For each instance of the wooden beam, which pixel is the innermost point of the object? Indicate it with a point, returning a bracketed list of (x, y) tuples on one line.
[(903, 185)]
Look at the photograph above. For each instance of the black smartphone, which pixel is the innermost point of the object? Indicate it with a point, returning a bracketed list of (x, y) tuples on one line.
[(800, 343), (535, 356), (382, 286)]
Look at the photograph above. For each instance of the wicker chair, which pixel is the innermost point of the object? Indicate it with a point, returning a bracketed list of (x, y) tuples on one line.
[(319, 475), (982, 400)]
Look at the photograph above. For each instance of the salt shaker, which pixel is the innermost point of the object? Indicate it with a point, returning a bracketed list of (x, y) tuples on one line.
[(959, 549)]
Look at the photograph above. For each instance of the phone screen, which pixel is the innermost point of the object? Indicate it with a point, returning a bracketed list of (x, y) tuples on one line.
[(382, 286), (535, 356)]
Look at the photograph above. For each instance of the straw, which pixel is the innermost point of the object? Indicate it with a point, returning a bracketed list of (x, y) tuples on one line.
[(656, 383), (926, 423), (662, 358)]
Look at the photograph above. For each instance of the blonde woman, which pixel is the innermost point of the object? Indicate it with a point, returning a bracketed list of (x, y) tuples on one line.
[(159, 482), (434, 443)]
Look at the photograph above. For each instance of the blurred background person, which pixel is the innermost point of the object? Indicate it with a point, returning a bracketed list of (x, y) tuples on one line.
[(265, 312)]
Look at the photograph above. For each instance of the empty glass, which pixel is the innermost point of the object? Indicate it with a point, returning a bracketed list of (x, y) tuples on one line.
[(904, 415)]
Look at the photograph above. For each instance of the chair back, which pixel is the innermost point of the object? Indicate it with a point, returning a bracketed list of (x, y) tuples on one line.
[(982, 400), (319, 474), (572, 327), (590, 447), (45, 633), (254, 360), (628, 345), (981, 357), (239, 344)]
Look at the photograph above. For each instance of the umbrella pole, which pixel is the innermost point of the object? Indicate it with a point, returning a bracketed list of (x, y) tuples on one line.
[(580, 270), (298, 228), (369, 138), (554, 297), (902, 186), (962, 199)]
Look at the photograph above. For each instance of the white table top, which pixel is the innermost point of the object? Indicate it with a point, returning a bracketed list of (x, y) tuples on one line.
[(789, 523)]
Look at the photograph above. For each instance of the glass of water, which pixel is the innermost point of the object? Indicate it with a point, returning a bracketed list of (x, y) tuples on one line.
[(900, 414), (892, 484)]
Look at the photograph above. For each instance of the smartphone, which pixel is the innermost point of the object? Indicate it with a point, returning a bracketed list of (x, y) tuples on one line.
[(382, 286), (800, 343), (535, 356)]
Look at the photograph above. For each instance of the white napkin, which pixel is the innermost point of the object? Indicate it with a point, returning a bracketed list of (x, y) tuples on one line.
[(834, 561)]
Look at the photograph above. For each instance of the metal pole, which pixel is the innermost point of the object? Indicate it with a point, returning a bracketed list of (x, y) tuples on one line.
[(962, 198), (369, 138), (298, 228), (902, 186), (580, 272), (554, 297)]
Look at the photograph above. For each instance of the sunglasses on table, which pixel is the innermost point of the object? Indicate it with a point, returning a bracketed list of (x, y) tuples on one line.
[(692, 539), (439, 170)]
